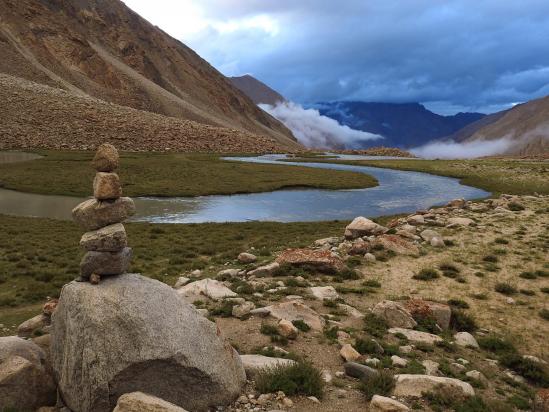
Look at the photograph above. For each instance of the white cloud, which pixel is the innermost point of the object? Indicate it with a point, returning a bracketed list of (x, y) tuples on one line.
[(468, 150), (317, 131)]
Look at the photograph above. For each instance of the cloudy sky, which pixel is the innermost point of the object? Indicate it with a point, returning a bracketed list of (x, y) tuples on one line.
[(451, 55)]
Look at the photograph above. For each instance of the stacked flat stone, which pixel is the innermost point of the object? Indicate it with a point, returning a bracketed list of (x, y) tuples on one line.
[(106, 243)]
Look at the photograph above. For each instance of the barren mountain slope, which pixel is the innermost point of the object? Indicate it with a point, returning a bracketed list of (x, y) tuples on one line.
[(34, 115), (102, 48), (526, 124), (256, 90)]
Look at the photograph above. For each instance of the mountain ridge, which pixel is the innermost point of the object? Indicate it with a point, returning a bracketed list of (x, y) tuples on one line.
[(256, 90)]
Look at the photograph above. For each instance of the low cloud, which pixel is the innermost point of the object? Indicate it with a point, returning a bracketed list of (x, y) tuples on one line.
[(469, 150), (316, 131)]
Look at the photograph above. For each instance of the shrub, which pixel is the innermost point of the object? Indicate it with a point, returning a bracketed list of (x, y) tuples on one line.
[(381, 384), (425, 347), (224, 310), (301, 378), (519, 402), (490, 258), (301, 325), (544, 314), (544, 289), (458, 303), (414, 368), (375, 325), (347, 274), (495, 344), (527, 368), (331, 333), (449, 270), (372, 283), (527, 292), (515, 206), (268, 329), (366, 346), (501, 241), (426, 274), (462, 322), (505, 289), (527, 275)]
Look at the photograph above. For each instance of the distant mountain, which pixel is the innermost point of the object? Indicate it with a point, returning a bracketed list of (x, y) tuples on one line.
[(256, 90), (526, 125), (403, 125), (102, 49)]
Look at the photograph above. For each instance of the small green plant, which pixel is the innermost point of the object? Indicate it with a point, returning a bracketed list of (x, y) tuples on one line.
[(301, 325), (426, 274), (458, 303), (462, 322), (544, 313), (224, 310), (268, 329), (544, 289), (425, 347), (527, 292), (501, 241), (495, 344), (331, 333), (371, 283), (527, 275), (367, 346), (375, 325), (490, 258), (519, 402), (449, 270), (505, 289), (515, 206), (381, 384), (413, 368), (301, 378), (529, 369)]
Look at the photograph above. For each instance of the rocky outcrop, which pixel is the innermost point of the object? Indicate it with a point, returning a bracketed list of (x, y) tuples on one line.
[(25, 381), (141, 402), (131, 333)]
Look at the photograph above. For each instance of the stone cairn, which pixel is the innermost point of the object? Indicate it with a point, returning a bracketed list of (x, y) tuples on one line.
[(105, 242)]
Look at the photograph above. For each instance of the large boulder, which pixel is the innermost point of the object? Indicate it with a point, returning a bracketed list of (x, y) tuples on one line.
[(26, 382), (132, 333), (395, 314), (321, 260), (141, 402), (361, 226)]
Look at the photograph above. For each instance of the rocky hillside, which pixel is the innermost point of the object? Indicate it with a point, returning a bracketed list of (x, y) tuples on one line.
[(403, 125), (103, 49), (256, 90), (526, 125), (39, 116)]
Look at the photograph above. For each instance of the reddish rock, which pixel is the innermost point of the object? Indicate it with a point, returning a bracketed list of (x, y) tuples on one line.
[(50, 306), (397, 244)]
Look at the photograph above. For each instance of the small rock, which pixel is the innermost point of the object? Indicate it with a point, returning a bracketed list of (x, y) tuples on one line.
[(95, 279), (324, 292), (265, 270), (106, 186), (313, 399), (374, 362), (398, 361), (140, 402), (247, 258), (105, 263), (228, 273), (437, 242), (475, 375), (397, 244), (106, 158), (429, 234), (321, 260), (405, 349), (295, 310), (93, 214), (361, 226), (110, 238), (243, 310), (349, 353), (368, 257), (416, 220), (431, 367), (326, 376), (181, 281), (395, 314), (384, 404), (356, 370), (341, 393), (287, 329), (417, 336), (466, 339), (208, 287), (460, 221), (32, 325), (416, 385)]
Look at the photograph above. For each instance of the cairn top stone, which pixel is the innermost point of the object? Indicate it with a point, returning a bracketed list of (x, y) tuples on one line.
[(106, 158)]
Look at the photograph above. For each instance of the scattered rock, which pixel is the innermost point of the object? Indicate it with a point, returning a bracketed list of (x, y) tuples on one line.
[(94, 214), (255, 363), (321, 260), (359, 247), (181, 281), (243, 310), (359, 371), (417, 336), (266, 270), (228, 273), (416, 385), (25, 383), (397, 244), (416, 220), (350, 311), (368, 257), (394, 314), (324, 292), (425, 308), (361, 226), (99, 353), (349, 353), (431, 367), (110, 238), (460, 221), (247, 258), (437, 242), (287, 329), (398, 361), (405, 349), (475, 375), (32, 325), (457, 203), (384, 404), (329, 241), (373, 362), (295, 310), (466, 339), (207, 287), (140, 402), (429, 234)]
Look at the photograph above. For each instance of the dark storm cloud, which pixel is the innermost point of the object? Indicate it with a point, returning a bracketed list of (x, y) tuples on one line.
[(451, 55)]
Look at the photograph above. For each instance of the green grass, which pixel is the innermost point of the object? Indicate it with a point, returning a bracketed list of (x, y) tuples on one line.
[(32, 266), (301, 378), (493, 175), (70, 173), (381, 384), (426, 274)]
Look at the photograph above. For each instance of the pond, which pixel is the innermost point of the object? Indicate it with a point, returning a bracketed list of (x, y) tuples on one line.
[(398, 192)]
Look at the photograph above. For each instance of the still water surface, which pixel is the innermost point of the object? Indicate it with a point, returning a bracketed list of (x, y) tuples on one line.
[(398, 192)]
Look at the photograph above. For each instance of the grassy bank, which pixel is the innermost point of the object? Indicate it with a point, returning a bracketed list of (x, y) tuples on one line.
[(33, 267), (69, 173), (494, 175)]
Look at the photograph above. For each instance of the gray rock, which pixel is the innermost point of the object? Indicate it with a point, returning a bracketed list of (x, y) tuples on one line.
[(324, 292), (429, 234), (36, 323), (181, 281), (265, 270), (255, 363), (437, 242), (416, 385), (384, 404), (25, 381), (395, 314), (466, 339), (132, 333), (361, 226), (105, 263), (110, 238), (211, 288), (247, 258), (94, 214), (141, 402), (416, 336), (243, 310), (359, 371)]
